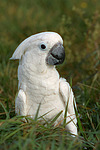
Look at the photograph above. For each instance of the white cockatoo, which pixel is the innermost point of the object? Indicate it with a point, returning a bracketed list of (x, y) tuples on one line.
[(39, 81)]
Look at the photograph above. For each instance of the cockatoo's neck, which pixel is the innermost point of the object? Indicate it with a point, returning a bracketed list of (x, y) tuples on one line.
[(29, 70), (31, 66)]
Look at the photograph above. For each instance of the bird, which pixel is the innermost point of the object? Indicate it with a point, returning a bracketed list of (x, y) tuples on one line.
[(39, 82)]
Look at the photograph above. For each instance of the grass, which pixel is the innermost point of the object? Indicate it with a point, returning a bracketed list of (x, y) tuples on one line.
[(78, 22)]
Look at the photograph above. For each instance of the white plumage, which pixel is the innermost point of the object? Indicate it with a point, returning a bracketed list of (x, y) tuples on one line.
[(39, 81)]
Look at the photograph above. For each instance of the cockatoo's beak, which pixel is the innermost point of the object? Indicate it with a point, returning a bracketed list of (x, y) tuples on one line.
[(56, 55)]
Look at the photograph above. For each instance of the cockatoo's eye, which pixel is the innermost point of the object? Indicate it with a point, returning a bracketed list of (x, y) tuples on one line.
[(43, 46)]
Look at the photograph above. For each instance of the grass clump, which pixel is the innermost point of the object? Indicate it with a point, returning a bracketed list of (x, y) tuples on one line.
[(16, 134)]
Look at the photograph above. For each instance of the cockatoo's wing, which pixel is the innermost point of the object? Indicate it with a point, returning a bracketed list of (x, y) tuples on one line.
[(69, 101), (20, 103)]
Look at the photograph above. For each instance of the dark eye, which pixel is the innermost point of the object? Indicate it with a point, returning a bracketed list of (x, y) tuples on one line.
[(43, 46)]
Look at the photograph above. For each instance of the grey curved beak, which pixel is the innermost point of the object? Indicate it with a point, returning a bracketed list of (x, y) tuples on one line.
[(56, 55)]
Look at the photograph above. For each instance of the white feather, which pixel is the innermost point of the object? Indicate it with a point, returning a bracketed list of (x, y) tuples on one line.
[(40, 83)]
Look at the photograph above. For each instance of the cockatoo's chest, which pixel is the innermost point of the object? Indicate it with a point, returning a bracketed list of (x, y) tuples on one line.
[(39, 88)]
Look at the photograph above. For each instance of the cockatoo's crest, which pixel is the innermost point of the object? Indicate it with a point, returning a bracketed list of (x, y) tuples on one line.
[(24, 46)]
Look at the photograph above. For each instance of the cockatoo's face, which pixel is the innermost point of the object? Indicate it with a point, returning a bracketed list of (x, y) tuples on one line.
[(41, 50)]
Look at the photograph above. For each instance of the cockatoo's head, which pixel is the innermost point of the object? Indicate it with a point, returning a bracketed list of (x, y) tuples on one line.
[(43, 49)]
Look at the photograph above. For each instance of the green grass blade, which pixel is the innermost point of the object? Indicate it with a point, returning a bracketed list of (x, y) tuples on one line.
[(55, 118), (6, 112), (36, 116)]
